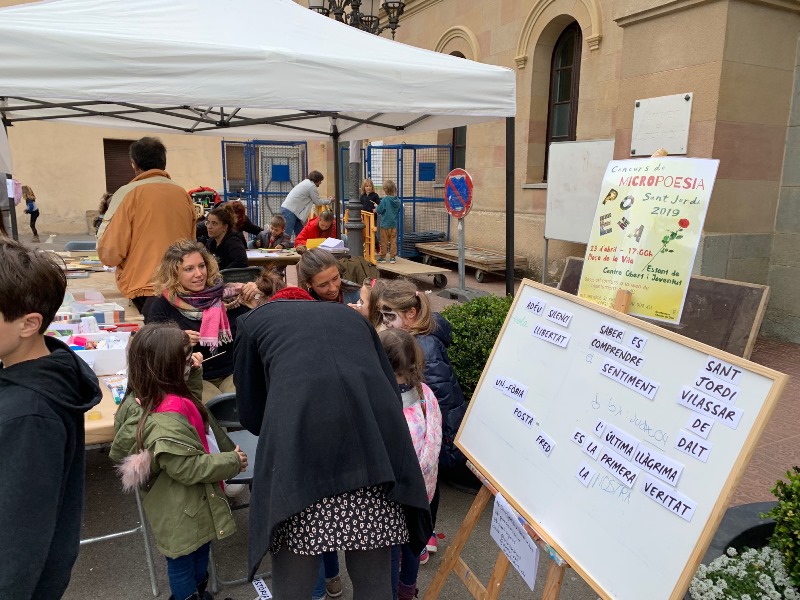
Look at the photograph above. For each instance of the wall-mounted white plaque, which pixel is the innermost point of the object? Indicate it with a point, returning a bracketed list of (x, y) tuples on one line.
[(661, 123)]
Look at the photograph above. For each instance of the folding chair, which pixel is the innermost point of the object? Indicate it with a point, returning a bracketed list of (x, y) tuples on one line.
[(143, 528), (240, 275), (80, 246), (226, 412)]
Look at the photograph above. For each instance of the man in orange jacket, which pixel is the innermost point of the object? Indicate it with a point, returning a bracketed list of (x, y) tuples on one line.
[(149, 214)]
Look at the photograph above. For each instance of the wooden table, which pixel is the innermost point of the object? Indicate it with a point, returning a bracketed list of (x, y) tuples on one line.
[(277, 258), (481, 259), (99, 422), (409, 268)]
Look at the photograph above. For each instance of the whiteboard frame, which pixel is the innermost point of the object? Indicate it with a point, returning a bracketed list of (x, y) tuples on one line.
[(779, 382)]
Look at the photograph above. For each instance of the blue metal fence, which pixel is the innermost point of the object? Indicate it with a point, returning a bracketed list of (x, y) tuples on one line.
[(261, 173), (419, 171)]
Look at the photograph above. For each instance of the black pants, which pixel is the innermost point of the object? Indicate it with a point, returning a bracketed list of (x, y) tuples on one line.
[(34, 216), (370, 571)]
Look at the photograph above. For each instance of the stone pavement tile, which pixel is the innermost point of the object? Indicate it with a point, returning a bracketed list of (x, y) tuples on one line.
[(779, 446)]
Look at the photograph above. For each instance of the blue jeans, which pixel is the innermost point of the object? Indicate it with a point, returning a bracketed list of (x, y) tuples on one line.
[(405, 567), (328, 567), (185, 572), (294, 224)]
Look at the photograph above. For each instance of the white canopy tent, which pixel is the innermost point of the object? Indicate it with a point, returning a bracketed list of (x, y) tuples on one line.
[(265, 67), (255, 68)]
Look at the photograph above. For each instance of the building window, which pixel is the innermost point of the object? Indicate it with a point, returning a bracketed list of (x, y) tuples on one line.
[(562, 110), (460, 147), (459, 137), (118, 164)]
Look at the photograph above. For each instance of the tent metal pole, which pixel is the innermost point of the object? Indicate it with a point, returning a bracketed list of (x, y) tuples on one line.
[(355, 222), (337, 194), (510, 205)]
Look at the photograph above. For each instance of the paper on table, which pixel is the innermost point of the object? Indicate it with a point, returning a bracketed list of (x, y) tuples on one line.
[(516, 544), (332, 244), (265, 254)]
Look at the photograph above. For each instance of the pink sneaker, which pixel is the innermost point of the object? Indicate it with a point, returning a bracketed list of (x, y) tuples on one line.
[(433, 544), (424, 557)]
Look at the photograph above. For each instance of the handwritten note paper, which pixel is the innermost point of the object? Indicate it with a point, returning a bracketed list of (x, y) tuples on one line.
[(509, 387), (535, 306), (551, 335), (262, 589), (516, 544)]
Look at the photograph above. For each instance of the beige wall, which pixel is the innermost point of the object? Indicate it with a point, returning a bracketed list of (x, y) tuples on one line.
[(64, 164), (736, 56), (632, 49)]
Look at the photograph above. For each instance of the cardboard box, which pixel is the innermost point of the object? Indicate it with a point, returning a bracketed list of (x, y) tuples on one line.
[(106, 362), (109, 312)]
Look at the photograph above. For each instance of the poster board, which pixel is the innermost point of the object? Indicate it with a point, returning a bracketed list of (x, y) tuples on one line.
[(719, 312), (646, 230), (574, 175), (542, 389)]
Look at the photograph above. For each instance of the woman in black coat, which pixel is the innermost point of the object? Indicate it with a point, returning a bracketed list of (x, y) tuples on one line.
[(335, 467), (224, 241)]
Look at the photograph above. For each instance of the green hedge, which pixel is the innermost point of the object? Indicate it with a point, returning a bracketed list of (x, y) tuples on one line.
[(476, 325), (786, 538)]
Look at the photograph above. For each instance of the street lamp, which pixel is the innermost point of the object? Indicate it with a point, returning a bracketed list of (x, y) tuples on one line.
[(367, 20)]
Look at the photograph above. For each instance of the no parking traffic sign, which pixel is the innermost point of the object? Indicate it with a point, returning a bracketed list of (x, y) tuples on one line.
[(458, 193)]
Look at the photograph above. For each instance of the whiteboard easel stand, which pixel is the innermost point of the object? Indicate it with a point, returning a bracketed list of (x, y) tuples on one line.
[(454, 563), (544, 261), (622, 301)]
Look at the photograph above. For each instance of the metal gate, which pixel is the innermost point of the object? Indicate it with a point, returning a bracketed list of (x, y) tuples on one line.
[(419, 171), (261, 173)]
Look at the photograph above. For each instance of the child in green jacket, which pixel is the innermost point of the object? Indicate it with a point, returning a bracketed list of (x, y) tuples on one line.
[(170, 446), (389, 213)]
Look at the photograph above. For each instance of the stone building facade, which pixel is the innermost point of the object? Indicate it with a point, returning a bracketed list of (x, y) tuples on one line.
[(739, 59), (580, 65)]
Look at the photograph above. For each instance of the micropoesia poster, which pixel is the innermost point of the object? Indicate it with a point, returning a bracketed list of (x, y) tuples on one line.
[(645, 233)]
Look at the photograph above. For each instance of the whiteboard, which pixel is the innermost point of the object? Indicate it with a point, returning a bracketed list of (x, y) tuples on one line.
[(574, 178), (543, 383)]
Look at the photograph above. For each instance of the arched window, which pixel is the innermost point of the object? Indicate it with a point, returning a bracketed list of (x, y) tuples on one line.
[(562, 109), (459, 137)]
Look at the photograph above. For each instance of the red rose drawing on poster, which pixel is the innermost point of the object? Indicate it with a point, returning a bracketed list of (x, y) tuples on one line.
[(673, 235)]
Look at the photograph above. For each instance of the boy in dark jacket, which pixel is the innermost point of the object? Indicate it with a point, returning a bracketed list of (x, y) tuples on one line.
[(276, 237), (45, 389)]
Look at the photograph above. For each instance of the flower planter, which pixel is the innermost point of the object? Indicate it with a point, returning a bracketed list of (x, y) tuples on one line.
[(741, 527)]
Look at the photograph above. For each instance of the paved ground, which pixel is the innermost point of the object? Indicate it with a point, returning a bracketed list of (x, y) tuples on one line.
[(116, 568)]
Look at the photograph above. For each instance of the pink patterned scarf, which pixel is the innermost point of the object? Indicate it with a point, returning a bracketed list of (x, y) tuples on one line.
[(210, 307)]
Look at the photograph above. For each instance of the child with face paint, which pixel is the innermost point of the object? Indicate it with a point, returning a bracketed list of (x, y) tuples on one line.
[(403, 307)]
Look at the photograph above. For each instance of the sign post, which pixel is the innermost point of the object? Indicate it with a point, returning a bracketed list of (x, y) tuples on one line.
[(458, 202)]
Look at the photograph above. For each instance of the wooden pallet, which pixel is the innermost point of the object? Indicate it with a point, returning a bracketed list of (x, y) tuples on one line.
[(409, 268), (481, 259)]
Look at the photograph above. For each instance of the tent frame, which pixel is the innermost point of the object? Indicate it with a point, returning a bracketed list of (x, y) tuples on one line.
[(199, 120)]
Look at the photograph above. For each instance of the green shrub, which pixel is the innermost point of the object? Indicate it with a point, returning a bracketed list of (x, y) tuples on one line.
[(476, 325), (786, 538)]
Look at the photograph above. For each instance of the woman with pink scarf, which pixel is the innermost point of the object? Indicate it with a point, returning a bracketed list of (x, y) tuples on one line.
[(190, 292)]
